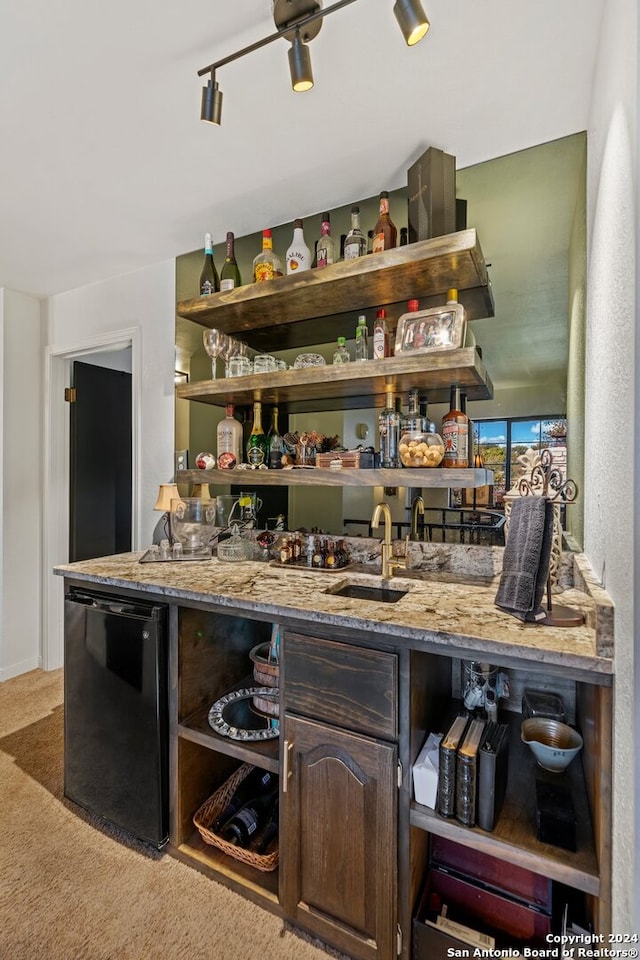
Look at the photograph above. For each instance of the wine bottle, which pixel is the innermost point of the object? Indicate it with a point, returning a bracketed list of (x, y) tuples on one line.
[(455, 433), (270, 830), (230, 273), (298, 256), (209, 280), (257, 447), (275, 441), (248, 820), (267, 265), (388, 431), (257, 781), (362, 339), (229, 440), (326, 250), (384, 232), (355, 244)]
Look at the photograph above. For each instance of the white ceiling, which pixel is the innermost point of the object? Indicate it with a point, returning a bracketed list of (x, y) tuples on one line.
[(106, 167)]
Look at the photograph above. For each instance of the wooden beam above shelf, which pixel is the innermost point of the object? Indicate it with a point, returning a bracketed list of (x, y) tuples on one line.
[(350, 386), (309, 308)]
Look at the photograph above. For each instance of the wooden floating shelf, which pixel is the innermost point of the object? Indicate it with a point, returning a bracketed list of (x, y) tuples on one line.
[(350, 386), (436, 478), (309, 308)]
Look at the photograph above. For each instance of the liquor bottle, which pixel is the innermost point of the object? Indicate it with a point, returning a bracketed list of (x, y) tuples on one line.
[(249, 819), (257, 448), (257, 781), (209, 281), (369, 241), (267, 265), (230, 274), (381, 341), (341, 354), (331, 561), (275, 441), (318, 555), (404, 236), (285, 550), (355, 244), (362, 339), (229, 439), (413, 421), (298, 255), (343, 240), (384, 232), (455, 433), (326, 250), (424, 412), (388, 431)]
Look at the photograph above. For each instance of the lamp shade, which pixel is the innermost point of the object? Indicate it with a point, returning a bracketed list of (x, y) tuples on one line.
[(412, 20), (300, 65), (201, 490), (166, 493)]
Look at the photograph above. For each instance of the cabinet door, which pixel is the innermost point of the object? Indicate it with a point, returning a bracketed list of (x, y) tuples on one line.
[(338, 842)]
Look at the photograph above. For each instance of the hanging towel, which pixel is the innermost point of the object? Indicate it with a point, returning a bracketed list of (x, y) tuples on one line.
[(527, 555)]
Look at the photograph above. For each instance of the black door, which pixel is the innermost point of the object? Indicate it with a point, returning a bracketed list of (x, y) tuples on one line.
[(100, 469)]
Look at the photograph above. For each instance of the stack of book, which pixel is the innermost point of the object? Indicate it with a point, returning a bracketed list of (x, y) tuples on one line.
[(472, 771)]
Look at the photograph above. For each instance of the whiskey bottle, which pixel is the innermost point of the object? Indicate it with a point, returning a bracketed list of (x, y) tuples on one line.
[(326, 249), (257, 449), (230, 273), (298, 256), (267, 265), (384, 232), (355, 244), (229, 440), (362, 339), (209, 280), (388, 431), (455, 433)]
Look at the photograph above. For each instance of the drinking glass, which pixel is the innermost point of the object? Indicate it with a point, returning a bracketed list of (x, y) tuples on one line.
[(231, 349), (215, 343), (264, 363)]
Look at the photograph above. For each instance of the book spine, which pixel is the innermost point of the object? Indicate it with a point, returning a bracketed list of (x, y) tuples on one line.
[(466, 769), (447, 781)]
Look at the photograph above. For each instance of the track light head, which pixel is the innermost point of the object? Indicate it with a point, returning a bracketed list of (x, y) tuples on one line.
[(300, 65), (211, 109), (412, 20)]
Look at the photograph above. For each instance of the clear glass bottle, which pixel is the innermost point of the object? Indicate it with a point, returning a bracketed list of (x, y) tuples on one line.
[(413, 419), (267, 265), (257, 448), (424, 412), (341, 354), (298, 256), (384, 233), (209, 280), (455, 433), (355, 244), (276, 443), (362, 339), (388, 431), (229, 440), (230, 273), (381, 341), (326, 249)]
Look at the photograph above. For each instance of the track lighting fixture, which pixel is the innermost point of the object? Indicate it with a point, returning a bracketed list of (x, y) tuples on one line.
[(299, 21), (300, 65), (412, 20)]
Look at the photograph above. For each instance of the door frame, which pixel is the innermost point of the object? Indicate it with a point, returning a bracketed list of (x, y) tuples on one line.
[(55, 533)]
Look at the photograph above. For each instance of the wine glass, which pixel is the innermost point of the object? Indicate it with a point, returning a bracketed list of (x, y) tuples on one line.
[(230, 349), (215, 343)]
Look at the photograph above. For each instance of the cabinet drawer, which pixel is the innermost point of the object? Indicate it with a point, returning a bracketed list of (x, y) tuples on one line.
[(343, 685)]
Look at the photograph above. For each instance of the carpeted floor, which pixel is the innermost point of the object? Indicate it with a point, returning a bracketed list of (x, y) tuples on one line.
[(73, 889)]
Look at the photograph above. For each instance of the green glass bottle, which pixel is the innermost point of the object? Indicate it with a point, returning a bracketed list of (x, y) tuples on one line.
[(230, 273), (257, 444)]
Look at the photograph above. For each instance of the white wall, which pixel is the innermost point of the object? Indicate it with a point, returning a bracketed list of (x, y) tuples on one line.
[(142, 302), (611, 384), (21, 462)]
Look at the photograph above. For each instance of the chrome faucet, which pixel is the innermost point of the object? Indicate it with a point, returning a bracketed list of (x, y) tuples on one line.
[(417, 507), (389, 562)]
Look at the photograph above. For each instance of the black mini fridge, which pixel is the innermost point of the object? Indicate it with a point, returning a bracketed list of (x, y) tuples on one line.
[(116, 750)]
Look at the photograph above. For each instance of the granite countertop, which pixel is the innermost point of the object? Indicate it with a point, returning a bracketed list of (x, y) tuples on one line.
[(451, 611)]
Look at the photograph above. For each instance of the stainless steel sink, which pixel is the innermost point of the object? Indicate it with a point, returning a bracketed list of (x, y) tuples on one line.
[(364, 591)]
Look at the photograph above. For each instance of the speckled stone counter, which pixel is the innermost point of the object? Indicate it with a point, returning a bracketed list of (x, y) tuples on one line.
[(448, 606)]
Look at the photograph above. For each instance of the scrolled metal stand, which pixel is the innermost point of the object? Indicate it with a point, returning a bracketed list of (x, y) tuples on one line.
[(547, 481)]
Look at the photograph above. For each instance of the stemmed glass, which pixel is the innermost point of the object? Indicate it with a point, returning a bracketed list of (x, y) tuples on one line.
[(215, 343), (230, 349)]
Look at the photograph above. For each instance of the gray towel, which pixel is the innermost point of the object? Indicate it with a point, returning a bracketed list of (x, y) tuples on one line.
[(527, 555)]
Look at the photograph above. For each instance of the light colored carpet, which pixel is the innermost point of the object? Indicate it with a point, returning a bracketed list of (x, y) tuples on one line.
[(73, 889)]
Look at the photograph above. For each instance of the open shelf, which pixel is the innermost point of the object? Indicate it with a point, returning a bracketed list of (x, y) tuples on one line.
[(350, 386), (514, 837), (437, 478), (300, 310), (240, 876), (263, 754)]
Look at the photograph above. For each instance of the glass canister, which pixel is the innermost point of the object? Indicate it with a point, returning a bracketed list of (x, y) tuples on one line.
[(418, 448)]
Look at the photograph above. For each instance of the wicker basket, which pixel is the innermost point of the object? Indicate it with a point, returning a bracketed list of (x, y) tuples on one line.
[(211, 808)]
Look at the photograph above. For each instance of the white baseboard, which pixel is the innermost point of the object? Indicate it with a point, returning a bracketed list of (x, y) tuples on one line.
[(16, 669)]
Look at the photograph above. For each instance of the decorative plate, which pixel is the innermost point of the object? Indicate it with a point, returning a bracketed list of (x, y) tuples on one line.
[(218, 723)]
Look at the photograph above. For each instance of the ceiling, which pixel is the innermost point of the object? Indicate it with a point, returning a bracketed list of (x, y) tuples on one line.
[(106, 166)]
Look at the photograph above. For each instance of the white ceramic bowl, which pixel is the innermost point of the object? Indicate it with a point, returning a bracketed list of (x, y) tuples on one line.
[(553, 744)]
